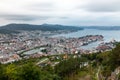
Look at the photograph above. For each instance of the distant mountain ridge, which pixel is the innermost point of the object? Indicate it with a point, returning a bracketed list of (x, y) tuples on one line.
[(44, 27), (103, 27), (15, 28)]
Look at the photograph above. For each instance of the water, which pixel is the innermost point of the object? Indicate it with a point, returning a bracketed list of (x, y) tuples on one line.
[(91, 45), (33, 51), (108, 36)]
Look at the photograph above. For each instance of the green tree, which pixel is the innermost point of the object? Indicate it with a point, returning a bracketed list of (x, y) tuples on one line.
[(115, 57), (2, 76), (12, 72), (30, 71)]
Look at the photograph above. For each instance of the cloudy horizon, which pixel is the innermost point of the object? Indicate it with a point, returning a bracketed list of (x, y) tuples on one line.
[(65, 12)]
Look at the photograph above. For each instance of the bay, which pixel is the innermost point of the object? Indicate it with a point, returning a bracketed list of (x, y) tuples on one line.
[(109, 35)]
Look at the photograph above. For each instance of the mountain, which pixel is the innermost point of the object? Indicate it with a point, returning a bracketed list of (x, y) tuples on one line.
[(5, 31), (103, 27), (43, 27)]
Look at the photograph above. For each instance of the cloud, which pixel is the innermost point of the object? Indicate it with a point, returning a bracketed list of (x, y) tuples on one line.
[(41, 6), (76, 12), (102, 6), (63, 17), (17, 17)]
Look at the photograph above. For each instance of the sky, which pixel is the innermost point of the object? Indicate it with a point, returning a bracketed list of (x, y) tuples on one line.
[(65, 12)]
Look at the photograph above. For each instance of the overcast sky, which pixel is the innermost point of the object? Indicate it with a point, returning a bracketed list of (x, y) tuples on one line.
[(66, 12)]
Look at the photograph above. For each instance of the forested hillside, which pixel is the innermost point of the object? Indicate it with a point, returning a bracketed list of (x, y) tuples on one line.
[(12, 28)]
